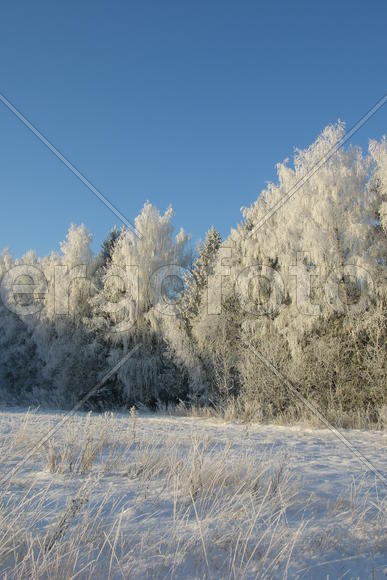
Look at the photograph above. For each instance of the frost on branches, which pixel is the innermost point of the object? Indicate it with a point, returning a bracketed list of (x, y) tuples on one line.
[(307, 287)]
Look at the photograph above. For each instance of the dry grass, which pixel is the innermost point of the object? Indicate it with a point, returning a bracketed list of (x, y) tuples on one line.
[(188, 508), (94, 441), (239, 410)]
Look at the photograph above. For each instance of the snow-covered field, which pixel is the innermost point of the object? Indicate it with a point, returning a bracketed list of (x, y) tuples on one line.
[(153, 496)]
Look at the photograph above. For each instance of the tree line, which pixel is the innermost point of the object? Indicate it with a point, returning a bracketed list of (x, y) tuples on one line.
[(301, 280)]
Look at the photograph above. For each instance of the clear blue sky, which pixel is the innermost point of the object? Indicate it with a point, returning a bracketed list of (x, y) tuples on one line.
[(182, 103)]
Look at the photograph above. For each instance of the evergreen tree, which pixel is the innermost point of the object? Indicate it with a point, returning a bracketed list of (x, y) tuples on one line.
[(196, 280), (108, 244)]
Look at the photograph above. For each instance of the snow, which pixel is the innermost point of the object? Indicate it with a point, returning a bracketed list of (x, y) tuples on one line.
[(328, 518)]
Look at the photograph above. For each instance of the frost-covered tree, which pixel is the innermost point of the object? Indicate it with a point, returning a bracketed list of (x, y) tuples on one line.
[(181, 334), (65, 342), (327, 226), (196, 279), (131, 302), (108, 243), (320, 252), (19, 364)]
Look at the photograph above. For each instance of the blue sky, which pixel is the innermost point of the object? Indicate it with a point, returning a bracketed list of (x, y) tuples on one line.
[(182, 103)]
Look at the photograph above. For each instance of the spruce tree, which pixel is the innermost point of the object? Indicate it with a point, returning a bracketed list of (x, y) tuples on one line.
[(196, 280), (108, 244)]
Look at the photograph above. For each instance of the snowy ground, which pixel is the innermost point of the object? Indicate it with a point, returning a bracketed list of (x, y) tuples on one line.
[(160, 497)]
